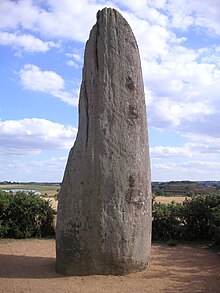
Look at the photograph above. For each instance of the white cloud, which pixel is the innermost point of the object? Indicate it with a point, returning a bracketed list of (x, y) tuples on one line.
[(73, 20), (76, 59), (72, 63), (65, 19), (25, 42), (50, 170), (31, 136), (200, 147), (167, 113), (162, 152), (200, 13), (32, 78), (184, 167), (173, 163), (205, 145), (193, 170), (184, 91), (18, 13)]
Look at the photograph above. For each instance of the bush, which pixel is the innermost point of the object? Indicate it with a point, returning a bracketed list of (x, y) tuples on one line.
[(25, 215), (196, 219), (196, 214), (167, 224)]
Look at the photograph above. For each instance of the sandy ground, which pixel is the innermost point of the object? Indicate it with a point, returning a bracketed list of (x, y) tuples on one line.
[(28, 266)]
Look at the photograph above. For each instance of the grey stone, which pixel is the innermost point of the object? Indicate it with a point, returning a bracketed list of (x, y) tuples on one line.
[(104, 210)]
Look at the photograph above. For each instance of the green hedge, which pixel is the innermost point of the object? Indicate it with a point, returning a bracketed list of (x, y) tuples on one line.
[(25, 215), (197, 218)]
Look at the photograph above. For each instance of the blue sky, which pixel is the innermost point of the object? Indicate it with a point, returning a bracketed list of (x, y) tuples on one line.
[(41, 57)]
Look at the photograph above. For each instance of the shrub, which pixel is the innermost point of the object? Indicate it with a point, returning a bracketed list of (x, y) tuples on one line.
[(196, 219), (167, 223), (201, 217), (172, 242), (25, 215)]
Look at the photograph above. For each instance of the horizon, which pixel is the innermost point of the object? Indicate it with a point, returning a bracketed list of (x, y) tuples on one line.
[(60, 183), (42, 50)]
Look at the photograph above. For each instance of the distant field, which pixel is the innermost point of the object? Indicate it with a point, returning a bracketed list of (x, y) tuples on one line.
[(162, 199), (50, 190), (169, 199), (184, 188)]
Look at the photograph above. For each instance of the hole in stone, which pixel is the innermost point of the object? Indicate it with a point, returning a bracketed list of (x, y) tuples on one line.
[(130, 83)]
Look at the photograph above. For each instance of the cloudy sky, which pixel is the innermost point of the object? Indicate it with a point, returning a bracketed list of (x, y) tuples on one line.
[(41, 57)]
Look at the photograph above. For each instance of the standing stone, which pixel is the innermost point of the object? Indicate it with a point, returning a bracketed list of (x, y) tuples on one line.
[(104, 210)]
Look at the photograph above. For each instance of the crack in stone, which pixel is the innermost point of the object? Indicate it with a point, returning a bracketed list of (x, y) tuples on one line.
[(96, 40), (87, 113)]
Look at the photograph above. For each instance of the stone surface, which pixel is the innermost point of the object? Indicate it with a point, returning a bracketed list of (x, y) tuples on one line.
[(104, 210)]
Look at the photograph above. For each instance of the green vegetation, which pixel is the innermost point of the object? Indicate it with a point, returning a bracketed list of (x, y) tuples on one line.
[(25, 215), (197, 218)]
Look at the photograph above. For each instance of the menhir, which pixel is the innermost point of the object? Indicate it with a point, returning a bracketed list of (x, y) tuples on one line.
[(104, 210)]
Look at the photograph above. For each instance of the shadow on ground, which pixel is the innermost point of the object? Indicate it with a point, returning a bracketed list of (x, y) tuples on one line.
[(20, 266)]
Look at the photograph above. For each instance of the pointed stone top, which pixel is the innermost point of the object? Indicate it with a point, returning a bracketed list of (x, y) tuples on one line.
[(107, 11)]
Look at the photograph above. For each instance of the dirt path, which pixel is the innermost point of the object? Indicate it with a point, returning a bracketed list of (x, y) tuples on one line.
[(28, 266)]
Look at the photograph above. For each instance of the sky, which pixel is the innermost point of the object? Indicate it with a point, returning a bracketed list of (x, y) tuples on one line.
[(41, 58)]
